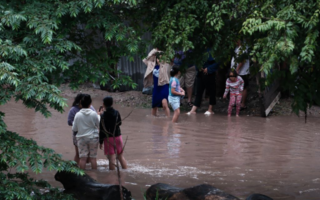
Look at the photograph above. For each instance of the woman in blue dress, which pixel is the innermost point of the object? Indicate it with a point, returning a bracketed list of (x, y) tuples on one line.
[(157, 74)]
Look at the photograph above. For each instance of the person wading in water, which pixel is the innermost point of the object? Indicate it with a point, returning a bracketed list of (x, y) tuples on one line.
[(86, 123), (110, 134), (157, 74), (76, 107)]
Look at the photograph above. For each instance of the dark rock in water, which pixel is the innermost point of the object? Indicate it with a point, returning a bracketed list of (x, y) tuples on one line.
[(164, 191), (258, 197), (84, 187), (200, 192)]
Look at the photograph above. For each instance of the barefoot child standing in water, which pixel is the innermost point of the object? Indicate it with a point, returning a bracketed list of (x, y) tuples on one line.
[(86, 124), (175, 92), (110, 134), (234, 84), (76, 107)]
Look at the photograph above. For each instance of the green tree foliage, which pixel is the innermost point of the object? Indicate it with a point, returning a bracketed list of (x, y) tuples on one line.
[(43, 43), (282, 37)]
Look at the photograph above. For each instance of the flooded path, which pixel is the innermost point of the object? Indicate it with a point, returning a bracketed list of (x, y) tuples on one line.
[(278, 156)]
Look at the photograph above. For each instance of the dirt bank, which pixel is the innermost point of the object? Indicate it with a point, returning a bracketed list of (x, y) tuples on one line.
[(139, 100)]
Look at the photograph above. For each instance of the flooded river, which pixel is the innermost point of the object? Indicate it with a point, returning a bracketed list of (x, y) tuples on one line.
[(277, 156)]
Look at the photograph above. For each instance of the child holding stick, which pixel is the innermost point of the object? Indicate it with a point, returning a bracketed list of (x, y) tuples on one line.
[(110, 134)]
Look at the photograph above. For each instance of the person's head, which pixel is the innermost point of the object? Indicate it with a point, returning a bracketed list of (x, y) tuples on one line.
[(232, 74), (175, 70), (86, 101), (238, 42), (107, 102), (77, 100), (158, 56)]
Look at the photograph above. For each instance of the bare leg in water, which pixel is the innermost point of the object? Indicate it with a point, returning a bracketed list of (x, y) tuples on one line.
[(210, 109), (166, 107), (154, 111), (76, 157), (82, 163), (194, 109), (112, 162), (176, 115), (93, 162), (122, 161)]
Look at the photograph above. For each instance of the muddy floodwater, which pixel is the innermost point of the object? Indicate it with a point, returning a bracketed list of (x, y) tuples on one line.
[(277, 156)]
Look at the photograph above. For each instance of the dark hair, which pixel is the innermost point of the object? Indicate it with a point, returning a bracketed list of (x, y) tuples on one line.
[(235, 74), (174, 70), (77, 99), (158, 55), (86, 101), (108, 101)]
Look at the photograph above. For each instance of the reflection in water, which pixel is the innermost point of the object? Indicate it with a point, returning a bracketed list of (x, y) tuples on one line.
[(234, 147), (159, 131), (174, 142), (276, 156)]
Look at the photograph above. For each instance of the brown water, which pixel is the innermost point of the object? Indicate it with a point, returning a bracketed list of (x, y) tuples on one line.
[(278, 156)]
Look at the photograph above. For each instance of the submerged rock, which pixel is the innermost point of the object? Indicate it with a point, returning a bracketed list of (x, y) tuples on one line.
[(199, 192), (258, 197), (84, 187)]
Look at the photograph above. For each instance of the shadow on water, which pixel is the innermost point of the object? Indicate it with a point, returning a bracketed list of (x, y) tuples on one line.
[(277, 156)]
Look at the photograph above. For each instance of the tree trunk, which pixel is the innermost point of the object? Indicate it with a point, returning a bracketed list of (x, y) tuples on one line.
[(84, 187)]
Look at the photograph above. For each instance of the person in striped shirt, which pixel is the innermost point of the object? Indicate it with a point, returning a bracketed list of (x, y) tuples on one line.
[(234, 84)]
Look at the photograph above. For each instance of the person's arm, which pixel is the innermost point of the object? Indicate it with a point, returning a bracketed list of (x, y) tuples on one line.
[(173, 91), (240, 65), (227, 89), (71, 115), (74, 125), (173, 87), (96, 120), (150, 55), (241, 85), (102, 133), (212, 68), (119, 121), (182, 90)]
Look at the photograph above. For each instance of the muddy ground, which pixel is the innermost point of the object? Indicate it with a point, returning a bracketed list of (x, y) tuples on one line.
[(139, 100)]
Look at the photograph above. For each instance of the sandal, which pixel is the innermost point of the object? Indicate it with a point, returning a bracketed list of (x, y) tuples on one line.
[(190, 104), (208, 113)]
